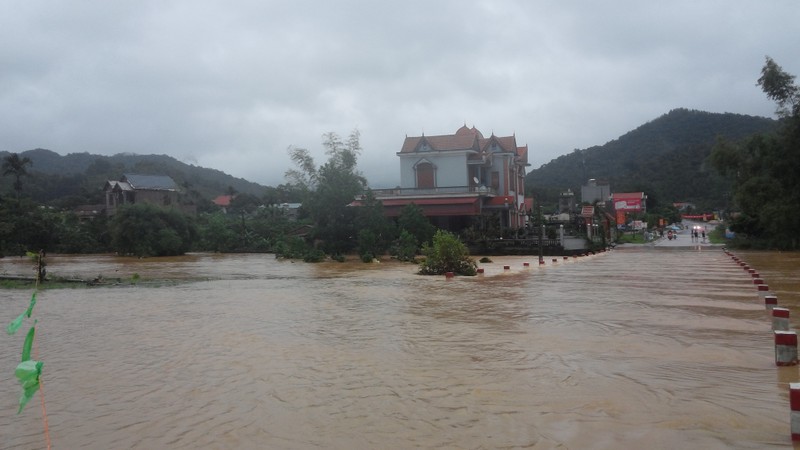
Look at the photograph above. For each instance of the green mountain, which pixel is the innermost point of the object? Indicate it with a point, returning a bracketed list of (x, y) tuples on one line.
[(79, 177), (665, 158)]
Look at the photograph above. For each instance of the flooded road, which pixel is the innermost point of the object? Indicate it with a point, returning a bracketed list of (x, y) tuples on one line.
[(636, 348)]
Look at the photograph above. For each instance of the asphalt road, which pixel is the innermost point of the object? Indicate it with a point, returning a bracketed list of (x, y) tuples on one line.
[(684, 237)]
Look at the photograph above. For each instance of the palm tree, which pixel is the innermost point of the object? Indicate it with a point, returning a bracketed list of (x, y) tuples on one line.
[(15, 166)]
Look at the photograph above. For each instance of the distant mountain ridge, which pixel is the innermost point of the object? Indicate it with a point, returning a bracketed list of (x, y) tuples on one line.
[(94, 169), (665, 157)]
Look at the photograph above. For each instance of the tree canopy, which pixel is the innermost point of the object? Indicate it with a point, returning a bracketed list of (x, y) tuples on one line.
[(148, 230), (329, 189), (446, 253), (15, 166), (763, 169)]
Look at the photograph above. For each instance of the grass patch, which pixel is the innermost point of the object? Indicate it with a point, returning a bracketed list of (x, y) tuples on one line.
[(25, 284), (631, 238), (717, 235)]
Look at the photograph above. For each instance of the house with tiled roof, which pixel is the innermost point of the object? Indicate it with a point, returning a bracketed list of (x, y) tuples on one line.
[(134, 188), (223, 202), (456, 178)]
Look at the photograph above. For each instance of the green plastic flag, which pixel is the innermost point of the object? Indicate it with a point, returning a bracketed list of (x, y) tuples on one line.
[(28, 373), (30, 307), (15, 324), (26, 347)]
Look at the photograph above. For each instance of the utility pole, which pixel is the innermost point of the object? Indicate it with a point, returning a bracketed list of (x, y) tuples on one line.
[(541, 235)]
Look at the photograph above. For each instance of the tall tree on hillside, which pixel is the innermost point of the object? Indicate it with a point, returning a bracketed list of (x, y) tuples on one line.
[(15, 166), (331, 188), (304, 177), (763, 168), (779, 87)]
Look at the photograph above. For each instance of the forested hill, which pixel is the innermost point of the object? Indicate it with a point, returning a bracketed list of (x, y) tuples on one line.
[(82, 175), (666, 158)]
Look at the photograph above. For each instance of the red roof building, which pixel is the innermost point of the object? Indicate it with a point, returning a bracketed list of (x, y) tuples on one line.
[(458, 177)]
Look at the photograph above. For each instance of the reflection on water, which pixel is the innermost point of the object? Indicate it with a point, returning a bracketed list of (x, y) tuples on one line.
[(636, 348)]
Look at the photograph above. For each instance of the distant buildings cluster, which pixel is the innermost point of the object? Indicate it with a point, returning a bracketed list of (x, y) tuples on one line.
[(455, 179)]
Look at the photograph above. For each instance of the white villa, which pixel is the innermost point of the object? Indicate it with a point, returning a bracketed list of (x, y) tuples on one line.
[(457, 177)]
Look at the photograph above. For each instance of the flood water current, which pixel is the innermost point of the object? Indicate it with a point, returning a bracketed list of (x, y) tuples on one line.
[(637, 348)]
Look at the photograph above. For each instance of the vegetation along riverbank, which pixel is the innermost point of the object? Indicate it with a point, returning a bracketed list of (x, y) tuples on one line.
[(314, 217)]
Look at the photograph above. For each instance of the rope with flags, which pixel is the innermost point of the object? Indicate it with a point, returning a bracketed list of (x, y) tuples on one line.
[(29, 371)]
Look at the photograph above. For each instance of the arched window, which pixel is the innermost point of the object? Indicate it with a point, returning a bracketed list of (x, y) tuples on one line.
[(426, 178)]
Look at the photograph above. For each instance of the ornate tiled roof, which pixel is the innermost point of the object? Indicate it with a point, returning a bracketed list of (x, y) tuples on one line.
[(522, 154), (463, 139), (150, 182), (440, 143)]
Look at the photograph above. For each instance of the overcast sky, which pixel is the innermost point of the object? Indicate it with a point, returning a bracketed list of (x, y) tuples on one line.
[(232, 84)]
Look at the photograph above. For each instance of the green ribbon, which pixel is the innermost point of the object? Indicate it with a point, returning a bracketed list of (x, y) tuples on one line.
[(15, 324), (28, 373), (26, 347), (30, 307)]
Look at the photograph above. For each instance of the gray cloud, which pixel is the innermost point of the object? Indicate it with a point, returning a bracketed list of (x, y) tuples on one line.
[(232, 84)]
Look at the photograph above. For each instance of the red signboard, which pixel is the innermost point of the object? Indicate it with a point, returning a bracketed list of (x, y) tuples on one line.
[(628, 202), (706, 216), (620, 217)]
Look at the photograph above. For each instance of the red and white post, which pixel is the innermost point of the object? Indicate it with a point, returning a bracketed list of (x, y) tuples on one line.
[(794, 403), (780, 319), (770, 301), (785, 348)]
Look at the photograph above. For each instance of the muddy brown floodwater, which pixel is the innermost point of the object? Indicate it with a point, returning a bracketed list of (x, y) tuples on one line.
[(635, 348)]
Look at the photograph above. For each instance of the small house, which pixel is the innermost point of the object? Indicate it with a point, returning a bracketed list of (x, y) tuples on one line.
[(158, 190)]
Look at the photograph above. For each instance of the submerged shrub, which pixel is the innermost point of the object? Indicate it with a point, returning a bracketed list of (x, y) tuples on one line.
[(447, 254), (314, 255), (405, 248)]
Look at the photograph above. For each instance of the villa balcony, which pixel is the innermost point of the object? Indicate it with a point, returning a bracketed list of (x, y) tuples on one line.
[(450, 191)]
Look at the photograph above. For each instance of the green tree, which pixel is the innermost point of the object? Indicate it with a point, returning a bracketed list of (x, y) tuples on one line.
[(763, 168), (244, 203), (447, 254), (76, 237), (330, 189), (413, 220), (304, 177), (16, 167), (147, 230), (376, 231), (779, 87), (216, 233), (283, 193), (405, 249), (25, 226)]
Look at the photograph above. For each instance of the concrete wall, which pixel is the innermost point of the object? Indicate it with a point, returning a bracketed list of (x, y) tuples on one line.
[(451, 169)]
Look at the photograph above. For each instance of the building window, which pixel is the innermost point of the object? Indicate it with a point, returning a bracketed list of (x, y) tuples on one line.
[(425, 176)]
